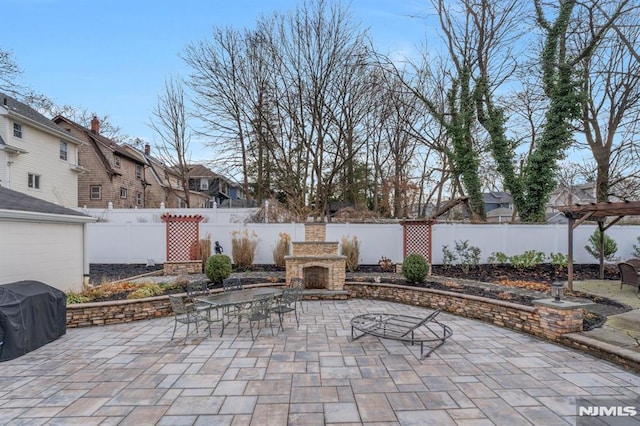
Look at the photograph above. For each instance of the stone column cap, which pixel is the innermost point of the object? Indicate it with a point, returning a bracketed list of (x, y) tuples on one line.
[(564, 305)]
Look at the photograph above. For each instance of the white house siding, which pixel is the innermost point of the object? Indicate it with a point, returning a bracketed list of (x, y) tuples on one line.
[(4, 175), (47, 252), (58, 181)]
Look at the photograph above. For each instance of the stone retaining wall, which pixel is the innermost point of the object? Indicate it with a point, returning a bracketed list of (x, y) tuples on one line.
[(116, 312), (120, 311), (505, 314)]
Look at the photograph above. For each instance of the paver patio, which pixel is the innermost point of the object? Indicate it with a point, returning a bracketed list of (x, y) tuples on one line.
[(134, 374)]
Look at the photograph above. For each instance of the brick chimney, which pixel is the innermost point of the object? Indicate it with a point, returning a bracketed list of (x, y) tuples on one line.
[(147, 149), (95, 125)]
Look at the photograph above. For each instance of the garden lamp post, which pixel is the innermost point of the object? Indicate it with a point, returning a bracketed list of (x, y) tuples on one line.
[(557, 291)]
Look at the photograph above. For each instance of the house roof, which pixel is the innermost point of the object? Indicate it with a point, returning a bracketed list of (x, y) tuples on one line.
[(580, 194), (198, 170), (17, 201), (496, 197), (24, 112), (156, 166)]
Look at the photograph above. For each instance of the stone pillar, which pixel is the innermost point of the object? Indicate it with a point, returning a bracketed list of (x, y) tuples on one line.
[(557, 319)]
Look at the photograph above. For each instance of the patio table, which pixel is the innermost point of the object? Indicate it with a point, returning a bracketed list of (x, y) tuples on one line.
[(236, 298)]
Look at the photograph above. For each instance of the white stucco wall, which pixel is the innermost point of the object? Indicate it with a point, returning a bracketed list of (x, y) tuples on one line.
[(48, 252)]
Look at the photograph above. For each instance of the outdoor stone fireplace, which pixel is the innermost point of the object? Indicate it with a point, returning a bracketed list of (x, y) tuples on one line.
[(316, 260)]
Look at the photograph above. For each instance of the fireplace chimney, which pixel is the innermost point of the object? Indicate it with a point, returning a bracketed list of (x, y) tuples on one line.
[(147, 149), (95, 125)]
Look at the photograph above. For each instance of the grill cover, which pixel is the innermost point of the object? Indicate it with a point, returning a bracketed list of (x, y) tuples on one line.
[(32, 314)]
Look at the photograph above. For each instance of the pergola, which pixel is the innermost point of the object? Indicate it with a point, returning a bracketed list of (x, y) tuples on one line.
[(596, 212)]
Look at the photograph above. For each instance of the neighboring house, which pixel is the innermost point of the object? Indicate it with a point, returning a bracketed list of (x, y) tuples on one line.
[(498, 206), (566, 195), (496, 200), (37, 157), (164, 184), (114, 174), (42, 241), (223, 191)]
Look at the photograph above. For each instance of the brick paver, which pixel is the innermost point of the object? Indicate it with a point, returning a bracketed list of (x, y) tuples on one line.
[(134, 374)]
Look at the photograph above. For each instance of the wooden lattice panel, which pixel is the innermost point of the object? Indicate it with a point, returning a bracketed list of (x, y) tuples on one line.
[(183, 232), (417, 239)]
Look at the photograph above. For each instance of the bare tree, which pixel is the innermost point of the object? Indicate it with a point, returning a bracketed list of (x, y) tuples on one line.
[(218, 78), (478, 60), (610, 77), (9, 73), (169, 121)]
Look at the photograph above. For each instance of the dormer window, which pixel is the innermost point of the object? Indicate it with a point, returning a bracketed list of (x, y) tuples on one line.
[(116, 160), (17, 130)]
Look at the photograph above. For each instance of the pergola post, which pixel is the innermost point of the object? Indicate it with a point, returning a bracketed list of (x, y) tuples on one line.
[(578, 214), (570, 254)]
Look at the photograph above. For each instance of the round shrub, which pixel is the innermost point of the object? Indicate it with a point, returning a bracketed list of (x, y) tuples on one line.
[(415, 268), (218, 268)]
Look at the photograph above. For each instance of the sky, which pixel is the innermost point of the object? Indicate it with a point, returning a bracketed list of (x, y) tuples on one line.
[(112, 57)]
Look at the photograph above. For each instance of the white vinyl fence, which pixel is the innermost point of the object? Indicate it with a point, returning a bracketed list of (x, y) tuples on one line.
[(139, 242)]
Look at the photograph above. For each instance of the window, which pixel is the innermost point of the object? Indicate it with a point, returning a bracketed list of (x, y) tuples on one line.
[(63, 150), (139, 198), (96, 192), (204, 184), (34, 181), (17, 130), (116, 160), (123, 192), (182, 204), (138, 171)]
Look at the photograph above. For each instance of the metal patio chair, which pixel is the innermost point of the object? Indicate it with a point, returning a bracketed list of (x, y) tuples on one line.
[(231, 284), (195, 289), (238, 311), (185, 314), (297, 282), (260, 311), (288, 303)]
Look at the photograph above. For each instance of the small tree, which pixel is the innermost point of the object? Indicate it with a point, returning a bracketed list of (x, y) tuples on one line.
[(636, 249), (593, 248)]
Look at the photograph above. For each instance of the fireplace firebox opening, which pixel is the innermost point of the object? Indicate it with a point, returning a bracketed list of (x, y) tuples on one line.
[(316, 277)]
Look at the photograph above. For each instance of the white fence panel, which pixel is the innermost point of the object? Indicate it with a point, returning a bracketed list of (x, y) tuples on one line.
[(376, 240), (513, 239), (139, 241), (213, 215), (126, 242)]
